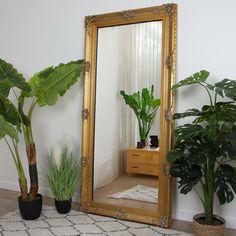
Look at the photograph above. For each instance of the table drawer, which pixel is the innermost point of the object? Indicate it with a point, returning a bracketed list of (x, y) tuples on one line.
[(142, 169), (143, 157), (142, 161)]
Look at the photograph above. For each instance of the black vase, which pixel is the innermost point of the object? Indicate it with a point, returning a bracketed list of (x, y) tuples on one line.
[(31, 209), (154, 142), (63, 207), (141, 144)]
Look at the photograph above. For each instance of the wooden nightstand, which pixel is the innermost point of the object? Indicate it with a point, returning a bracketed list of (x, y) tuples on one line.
[(142, 161)]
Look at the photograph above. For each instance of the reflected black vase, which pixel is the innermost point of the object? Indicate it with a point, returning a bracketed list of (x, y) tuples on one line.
[(154, 142), (141, 144), (63, 207)]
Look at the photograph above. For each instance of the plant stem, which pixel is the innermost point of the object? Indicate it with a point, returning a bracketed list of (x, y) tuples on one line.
[(21, 173), (19, 167), (34, 102), (215, 98), (31, 154), (29, 135), (209, 191), (207, 93)]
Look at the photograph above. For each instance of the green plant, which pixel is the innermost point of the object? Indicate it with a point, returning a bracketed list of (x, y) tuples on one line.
[(145, 107), (205, 147), (42, 89), (64, 177)]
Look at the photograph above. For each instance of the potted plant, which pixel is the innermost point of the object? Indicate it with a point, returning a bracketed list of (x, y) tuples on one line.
[(42, 89), (204, 150), (63, 176), (145, 107)]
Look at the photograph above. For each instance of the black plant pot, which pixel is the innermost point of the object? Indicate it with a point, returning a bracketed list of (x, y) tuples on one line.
[(63, 207), (30, 210), (141, 144)]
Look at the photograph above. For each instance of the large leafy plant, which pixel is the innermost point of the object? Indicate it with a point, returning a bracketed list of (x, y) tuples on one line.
[(205, 148), (145, 107), (43, 89)]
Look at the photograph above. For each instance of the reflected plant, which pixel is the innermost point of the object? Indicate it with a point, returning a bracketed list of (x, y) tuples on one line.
[(145, 107)]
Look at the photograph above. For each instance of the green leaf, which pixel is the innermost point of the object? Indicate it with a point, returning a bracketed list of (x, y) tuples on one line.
[(145, 107), (48, 84), (193, 144), (132, 100), (189, 174), (9, 111), (7, 129), (189, 112), (176, 153), (24, 117), (223, 111), (146, 98), (197, 150), (225, 183), (228, 142), (9, 78), (225, 88), (226, 111), (135, 101), (155, 103), (198, 77), (187, 131)]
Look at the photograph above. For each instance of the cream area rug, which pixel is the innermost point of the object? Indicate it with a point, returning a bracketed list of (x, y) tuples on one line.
[(138, 193), (51, 223)]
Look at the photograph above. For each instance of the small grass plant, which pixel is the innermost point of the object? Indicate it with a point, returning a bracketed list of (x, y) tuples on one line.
[(63, 176)]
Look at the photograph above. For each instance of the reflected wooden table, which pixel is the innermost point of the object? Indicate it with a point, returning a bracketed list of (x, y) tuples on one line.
[(142, 161)]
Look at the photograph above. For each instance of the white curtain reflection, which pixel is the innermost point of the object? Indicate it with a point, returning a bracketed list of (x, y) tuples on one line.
[(128, 58), (141, 67)]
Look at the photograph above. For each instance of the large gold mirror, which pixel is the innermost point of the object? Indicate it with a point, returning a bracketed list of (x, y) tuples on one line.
[(130, 51)]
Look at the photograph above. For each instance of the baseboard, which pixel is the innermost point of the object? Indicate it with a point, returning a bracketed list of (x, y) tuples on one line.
[(188, 215), (178, 213), (48, 193), (9, 185), (44, 191)]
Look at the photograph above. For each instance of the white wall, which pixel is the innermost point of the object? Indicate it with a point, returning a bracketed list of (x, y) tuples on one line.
[(106, 150), (35, 34)]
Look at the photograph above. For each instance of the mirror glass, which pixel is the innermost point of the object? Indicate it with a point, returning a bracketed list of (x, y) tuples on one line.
[(129, 58)]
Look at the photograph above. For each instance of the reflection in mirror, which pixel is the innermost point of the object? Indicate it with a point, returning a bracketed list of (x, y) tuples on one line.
[(129, 58)]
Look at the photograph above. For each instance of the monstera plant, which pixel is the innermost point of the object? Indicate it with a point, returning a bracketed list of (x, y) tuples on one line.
[(206, 147), (43, 89), (145, 107)]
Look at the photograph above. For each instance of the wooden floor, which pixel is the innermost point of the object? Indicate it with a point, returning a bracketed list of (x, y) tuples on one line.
[(123, 183), (8, 203)]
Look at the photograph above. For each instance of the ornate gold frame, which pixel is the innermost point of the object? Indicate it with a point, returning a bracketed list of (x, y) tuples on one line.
[(168, 15)]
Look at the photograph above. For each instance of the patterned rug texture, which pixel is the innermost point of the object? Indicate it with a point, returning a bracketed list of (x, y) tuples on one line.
[(51, 223), (138, 193)]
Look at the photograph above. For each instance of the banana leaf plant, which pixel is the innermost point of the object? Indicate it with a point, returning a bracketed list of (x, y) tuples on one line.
[(43, 89), (206, 147), (145, 107)]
